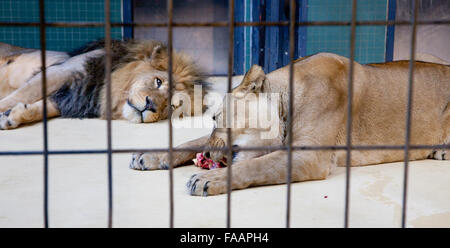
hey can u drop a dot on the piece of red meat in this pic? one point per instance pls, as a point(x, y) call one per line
point(207, 163)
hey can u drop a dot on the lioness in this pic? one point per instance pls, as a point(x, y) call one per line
point(319, 119)
point(75, 82)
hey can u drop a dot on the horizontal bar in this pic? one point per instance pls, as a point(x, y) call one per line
point(202, 148)
point(225, 24)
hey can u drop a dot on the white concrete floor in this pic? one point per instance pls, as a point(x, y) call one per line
point(78, 187)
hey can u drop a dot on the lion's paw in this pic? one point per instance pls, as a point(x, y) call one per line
point(207, 183)
point(6, 122)
point(148, 161)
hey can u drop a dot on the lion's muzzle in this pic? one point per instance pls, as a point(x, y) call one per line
point(141, 114)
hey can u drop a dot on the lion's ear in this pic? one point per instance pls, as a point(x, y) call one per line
point(157, 53)
point(149, 51)
point(252, 82)
point(159, 57)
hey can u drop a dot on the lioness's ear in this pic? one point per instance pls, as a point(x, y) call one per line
point(252, 82)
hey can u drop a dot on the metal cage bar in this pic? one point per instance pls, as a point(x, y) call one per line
point(107, 24)
point(414, 11)
point(290, 110)
point(108, 55)
point(349, 114)
point(44, 108)
point(248, 148)
point(225, 24)
point(228, 103)
point(169, 71)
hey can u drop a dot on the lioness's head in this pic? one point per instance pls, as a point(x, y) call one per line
point(255, 119)
point(140, 86)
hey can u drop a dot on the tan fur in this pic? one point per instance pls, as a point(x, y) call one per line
point(152, 61)
point(131, 82)
point(319, 119)
point(19, 66)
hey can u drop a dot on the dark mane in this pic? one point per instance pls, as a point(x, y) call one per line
point(79, 96)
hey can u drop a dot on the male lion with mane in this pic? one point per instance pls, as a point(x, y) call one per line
point(75, 82)
point(319, 119)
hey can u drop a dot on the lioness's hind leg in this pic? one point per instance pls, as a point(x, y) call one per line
point(444, 154)
point(57, 75)
point(26, 113)
point(439, 155)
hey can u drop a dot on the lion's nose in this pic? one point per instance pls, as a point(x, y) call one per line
point(149, 105)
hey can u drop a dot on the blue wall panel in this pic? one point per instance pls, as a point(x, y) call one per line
point(370, 43)
point(270, 45)
point(58, 38)
point(239, 39)
point(258, 33)
point(390, 30)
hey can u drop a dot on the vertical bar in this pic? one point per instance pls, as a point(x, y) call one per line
point(291, 108)
point(170, 62)
point(349, 113)
point(229, 140)
point(390, 30)
point(414, 8)
point(108, 106)
point(44, 107)
point(127, 13)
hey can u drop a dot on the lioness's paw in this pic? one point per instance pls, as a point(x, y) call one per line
point(440, 155)
point(149, 161)
point(6, 122)
point(207, 183)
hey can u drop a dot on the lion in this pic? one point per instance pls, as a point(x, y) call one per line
point(319, 119)
point(76, 82)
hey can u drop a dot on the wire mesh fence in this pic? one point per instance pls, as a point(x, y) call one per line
point(289, 147)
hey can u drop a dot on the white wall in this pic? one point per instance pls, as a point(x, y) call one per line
point(207, 45)
point(431, 39)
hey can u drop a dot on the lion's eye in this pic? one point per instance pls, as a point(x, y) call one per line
point(158, 82)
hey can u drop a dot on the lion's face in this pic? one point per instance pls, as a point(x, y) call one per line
point(140, 87)
point(147, 99)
